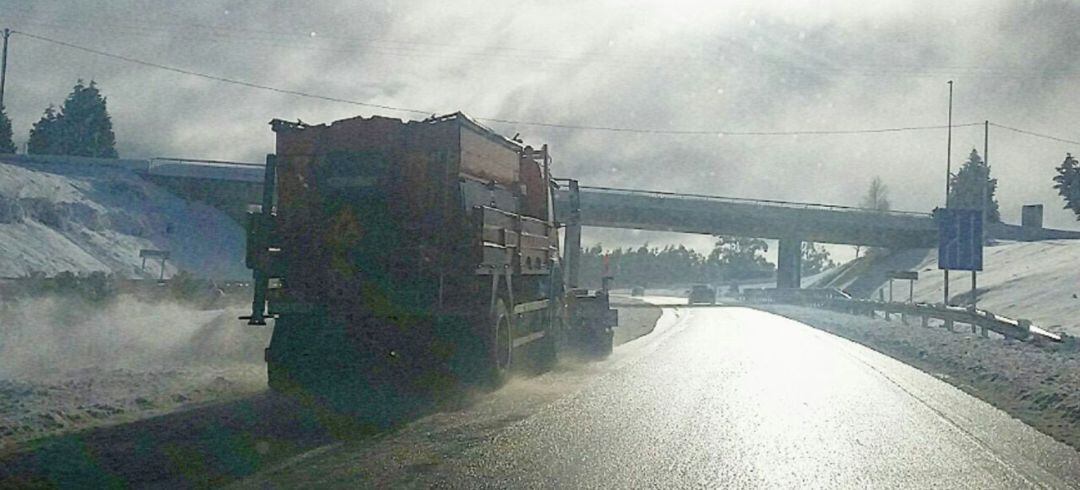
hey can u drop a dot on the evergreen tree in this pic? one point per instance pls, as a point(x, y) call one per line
point(82, 127)
point(6, 143)
point(1067, 183)
point(47, 136)
point(966, 189)
point(87, 116)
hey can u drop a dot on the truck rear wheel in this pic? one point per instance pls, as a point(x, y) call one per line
point(502, 343)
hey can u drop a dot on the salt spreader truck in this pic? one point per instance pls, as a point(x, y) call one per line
point(399, 257)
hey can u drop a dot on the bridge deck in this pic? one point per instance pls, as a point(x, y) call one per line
point(696, 213)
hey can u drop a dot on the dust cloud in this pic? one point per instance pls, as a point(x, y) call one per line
point(67, 363)
point(46, 338)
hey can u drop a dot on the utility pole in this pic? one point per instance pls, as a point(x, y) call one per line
point(948, 152)
point(3, 67)
point(982, 184)
point(948, 179)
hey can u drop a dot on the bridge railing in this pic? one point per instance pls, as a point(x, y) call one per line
point(832, 299)
point(739, 200)
point(158, 161)
point(206, 169)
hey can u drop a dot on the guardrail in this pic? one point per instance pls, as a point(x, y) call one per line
point(837, 300)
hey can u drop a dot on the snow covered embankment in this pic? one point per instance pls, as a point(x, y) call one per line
point(81, 218)
point(1038, 281)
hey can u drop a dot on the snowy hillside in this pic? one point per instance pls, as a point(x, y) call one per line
point(1039, 281)
point(58, 217)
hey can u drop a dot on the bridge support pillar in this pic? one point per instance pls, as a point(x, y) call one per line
point(789, 264)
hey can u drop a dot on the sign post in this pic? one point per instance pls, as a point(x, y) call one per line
point(161, 255)
point(960, 239)
point(910, 276)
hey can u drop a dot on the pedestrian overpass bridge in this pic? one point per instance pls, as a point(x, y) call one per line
point(231, 187)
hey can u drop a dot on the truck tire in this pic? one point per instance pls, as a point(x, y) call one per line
point(501, 352)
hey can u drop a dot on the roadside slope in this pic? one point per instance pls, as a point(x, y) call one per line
point(80, 218)
point(1034, 280)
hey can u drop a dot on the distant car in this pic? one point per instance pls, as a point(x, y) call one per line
point(637, 291)
point(702, 294)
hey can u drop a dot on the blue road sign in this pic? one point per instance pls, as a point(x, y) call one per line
point(959, 239)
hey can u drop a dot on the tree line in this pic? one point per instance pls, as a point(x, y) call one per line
point(732, 260)
point(972, 187)
point(81, 126)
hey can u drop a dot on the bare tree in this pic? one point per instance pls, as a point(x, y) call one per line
point(876, 198)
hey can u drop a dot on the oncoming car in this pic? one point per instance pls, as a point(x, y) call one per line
point(702, 294)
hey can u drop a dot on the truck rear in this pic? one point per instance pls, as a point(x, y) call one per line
point(401, 258)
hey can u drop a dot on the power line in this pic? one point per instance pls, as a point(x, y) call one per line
point(276, 33)
point(614, 129)
point(217, 78)
point(1038, 135)
point(721, 132)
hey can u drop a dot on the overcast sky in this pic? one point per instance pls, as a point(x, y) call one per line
point(670, 65)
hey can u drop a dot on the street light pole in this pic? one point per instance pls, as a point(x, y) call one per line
point(948, 152)
point(948, 178)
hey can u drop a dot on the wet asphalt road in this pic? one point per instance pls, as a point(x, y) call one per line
point(715, 397)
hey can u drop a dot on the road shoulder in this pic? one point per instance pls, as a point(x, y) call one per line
point(1037, 386)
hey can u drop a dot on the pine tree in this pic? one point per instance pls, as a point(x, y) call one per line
point(966, 188)
point(6, 143)
point(87, 117)
point(81, 127)
point(47, 136)
point(1067, 183)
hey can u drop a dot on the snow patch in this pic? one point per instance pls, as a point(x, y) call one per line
point(82, 218)
point(1038, 281)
